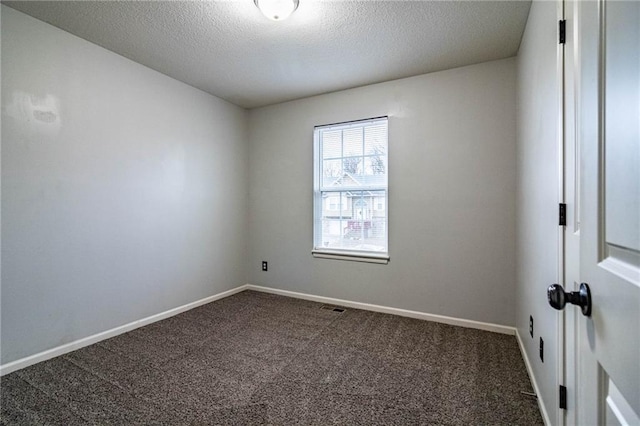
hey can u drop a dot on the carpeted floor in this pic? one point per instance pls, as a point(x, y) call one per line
point(257, 358)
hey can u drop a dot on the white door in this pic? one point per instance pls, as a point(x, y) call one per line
point(608, 342)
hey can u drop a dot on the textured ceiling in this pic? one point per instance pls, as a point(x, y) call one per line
point(229, 49)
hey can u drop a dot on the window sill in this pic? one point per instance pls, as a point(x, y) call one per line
point(351, 256)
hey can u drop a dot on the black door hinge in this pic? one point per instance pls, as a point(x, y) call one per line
point(563, 397)
point(562, 215)
point(562, 31)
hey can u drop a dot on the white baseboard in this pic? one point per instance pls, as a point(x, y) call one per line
point(536, 388)
point(496, 328)
point(86, 341)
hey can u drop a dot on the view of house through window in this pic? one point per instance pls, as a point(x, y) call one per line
point(350, 187)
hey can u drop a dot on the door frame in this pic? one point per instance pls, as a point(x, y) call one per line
point(570, 195)
point(562, 182)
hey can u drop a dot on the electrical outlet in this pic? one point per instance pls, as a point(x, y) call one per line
point(264, 266)
point(531, 325)
point(541, 350)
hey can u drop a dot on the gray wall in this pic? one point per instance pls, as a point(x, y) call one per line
point(538, 181)
point(451, 203)
point(124, 192)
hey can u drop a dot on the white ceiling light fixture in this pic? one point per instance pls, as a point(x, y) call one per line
point(277, 10)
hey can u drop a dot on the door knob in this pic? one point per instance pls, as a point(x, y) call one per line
point(558, 298)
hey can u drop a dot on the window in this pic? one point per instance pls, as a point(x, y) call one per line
point(350, 191)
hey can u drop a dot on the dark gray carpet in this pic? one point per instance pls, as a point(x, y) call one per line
point(256, 358)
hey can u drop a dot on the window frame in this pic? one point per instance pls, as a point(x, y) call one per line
point(318, 191)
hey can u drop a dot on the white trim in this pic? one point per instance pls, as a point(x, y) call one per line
point(319, 187)
point(536, 388)
point(86, 341)
point(561, 272)
point(496, 328)
point(353, 256)
point(352, 123)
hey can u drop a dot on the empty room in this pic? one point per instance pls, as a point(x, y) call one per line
point(320, 212)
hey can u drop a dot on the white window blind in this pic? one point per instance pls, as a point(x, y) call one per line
point(350, 190)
